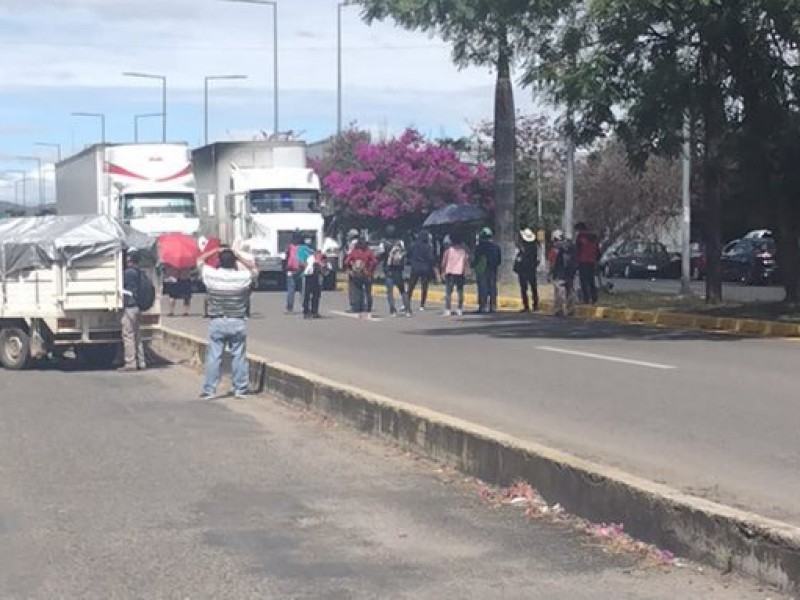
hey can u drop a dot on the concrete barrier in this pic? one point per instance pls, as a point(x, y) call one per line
point(692, 527)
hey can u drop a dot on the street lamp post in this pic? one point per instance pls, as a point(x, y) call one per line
point(41, 178)
point(209, 78)
point(136, 123)
point(163, 80)
point(23, 179)
point(339, 8)
point(274, 6)
point(100, 116)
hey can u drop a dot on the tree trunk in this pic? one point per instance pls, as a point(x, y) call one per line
point(505, 155)
point(713, 109)
point(789, 256)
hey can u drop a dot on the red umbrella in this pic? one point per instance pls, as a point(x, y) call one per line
point(178, 250)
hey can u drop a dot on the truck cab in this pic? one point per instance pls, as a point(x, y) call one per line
point(151, 187)
point(270, 205)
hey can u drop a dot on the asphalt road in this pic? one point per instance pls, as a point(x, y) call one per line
point(125, 486)
point(733, 292)
point(713, 415)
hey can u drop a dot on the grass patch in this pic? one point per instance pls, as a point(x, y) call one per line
point(770, 311)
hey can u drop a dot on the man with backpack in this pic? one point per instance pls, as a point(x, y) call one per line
point(486, 264)
point(563, 266)
point(138, 296)
point(393, 259)
point(587, 249)
point(297, 253)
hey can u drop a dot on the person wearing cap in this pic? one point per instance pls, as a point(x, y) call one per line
point(131, 337)
point(563, 266)
point(486, 264)
point(525, 265)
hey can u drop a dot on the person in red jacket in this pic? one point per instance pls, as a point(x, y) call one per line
point(587, 247)
point(360, 265)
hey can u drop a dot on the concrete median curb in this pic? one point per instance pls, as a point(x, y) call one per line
point(660, 318)
point(722, 536)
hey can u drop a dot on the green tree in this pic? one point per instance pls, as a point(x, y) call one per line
point(483, 33)
point(638, 67)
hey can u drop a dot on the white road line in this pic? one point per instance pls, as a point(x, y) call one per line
point(341, 313)
point(616, 359)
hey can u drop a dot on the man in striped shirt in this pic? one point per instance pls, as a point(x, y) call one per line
point(228, 296)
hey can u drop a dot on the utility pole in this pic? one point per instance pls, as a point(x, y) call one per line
point(686, 220)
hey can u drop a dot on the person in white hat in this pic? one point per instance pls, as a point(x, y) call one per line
point(525, 264)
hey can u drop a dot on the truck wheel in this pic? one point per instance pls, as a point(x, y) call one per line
point(15, 345)
point(100, 355)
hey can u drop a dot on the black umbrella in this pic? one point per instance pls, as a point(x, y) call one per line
point(455, 214)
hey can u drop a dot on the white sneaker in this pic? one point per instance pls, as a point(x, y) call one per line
point(447, 313)
point(421, 309)
point(460, 312)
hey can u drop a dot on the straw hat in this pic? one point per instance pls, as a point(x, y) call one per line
point(527, 235)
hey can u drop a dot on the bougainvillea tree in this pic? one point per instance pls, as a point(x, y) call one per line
point(403, 179)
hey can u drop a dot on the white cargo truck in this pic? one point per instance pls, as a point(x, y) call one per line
point(148, 186)
point(256, 196)
point(61, 288)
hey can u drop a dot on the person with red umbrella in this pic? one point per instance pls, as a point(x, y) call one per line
point(178, 253)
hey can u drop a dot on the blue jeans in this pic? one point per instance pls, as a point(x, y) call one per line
point(362, 299)
point(487, 290)
point(233, 333)
point(394, 279)
point(294, 285)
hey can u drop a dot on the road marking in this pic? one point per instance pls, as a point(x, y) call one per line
point(341, 313)
point(616, 359)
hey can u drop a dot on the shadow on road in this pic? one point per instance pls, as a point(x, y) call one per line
point(510, 326)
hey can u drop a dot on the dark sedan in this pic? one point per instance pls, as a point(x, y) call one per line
point(750, 261)
point(641, 260)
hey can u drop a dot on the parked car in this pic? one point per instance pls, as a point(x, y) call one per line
point(641, 259)
point(750, 261)
point(758, 234)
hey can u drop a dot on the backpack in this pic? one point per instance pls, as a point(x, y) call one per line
point(292, 262)
point(147, 292)
point(568, 259)
point(359, 269)
point(397, 255)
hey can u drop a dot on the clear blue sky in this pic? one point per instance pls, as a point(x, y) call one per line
point(62, 56)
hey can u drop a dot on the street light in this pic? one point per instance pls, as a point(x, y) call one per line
point(100, 116)
point(23, 179)
point(205, 104)
point(51, 145)
point(163, 80)
point(274, 6)
point(41, 178)
point(136, 123)
point(339, 7)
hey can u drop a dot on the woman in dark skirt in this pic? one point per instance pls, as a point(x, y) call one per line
point(178, 286)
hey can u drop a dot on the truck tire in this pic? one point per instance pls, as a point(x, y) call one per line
point(15, 346)
point(97, 355)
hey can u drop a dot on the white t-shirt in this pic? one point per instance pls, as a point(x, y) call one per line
point(226, 280)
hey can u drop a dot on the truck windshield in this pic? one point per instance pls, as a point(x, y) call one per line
point(284, 201)
point(137, 206)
